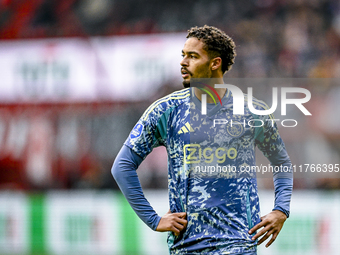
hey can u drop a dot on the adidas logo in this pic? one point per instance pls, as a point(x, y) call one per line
point(186, 128)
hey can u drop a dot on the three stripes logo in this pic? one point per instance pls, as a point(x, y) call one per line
point(186, 129)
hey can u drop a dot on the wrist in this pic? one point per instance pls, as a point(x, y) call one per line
point(281, 213)
point(280, 209)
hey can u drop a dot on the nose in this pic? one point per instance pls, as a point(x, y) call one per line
point(184, 62)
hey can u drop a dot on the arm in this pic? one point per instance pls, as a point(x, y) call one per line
point(283, 181)
point(272, 223)
point(124, 172)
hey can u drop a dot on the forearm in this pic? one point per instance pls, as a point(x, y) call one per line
point(283, 181)
point(124, 172)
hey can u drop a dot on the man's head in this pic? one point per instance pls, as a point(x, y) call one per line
point(207, 53)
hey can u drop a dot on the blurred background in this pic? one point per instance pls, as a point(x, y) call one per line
point(76, 75)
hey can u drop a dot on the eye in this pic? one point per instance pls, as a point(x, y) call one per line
point(193, 56)
point(182, 55)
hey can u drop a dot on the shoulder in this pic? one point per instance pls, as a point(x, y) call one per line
point(166, 104)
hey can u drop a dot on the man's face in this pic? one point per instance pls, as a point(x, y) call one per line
point(195, 62)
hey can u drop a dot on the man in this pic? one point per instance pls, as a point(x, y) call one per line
point(210, 213)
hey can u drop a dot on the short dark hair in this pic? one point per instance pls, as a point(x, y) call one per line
point(216, 43)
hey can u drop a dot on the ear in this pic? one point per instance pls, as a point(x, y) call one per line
point(216, 63)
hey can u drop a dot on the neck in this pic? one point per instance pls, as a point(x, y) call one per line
point(220, 91)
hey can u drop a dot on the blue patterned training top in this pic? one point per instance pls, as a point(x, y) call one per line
point(209, 162)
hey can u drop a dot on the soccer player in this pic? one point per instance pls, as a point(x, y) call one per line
point(210, 212)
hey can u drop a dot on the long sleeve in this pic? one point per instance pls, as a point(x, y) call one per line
point(283, 181)
point(124, 172)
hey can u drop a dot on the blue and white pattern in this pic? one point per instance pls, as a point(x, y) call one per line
point(221, 206)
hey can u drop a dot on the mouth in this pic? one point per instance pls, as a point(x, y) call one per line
point(185, 73)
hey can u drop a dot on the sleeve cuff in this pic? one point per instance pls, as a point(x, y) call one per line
point(278, 208)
